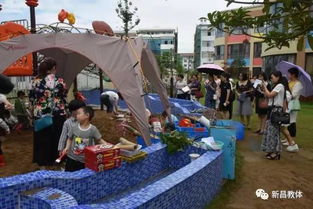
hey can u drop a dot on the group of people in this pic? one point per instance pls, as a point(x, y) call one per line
point(258, 92)
point(219, 92)
point(70, 130)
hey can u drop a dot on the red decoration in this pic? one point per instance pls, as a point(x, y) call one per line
point(185, 122)
point(102, 28)
point(31, 3)
point(62, 15)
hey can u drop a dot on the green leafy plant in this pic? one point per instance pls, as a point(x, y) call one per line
point(175, 141)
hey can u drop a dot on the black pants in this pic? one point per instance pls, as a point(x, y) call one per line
point(105, 100)
point(292, 128)
point(181, 96)
point(0, 148)
point(45, 146)
point(73, 165)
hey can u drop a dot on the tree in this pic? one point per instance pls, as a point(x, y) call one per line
point(282, 21)
point(126, 13)
point(237, 66)
point(168, 62)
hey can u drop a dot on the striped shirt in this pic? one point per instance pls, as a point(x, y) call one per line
point(67, 126)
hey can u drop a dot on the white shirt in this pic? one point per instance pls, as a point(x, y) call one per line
point(112, 96)
point(179, 85)
point(296, 90)
point(279, 98)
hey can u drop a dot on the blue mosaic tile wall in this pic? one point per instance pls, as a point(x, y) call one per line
point(49, 198)
point(192, 186)
point(86, 186)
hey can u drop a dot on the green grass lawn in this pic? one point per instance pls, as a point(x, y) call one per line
point(303, 139)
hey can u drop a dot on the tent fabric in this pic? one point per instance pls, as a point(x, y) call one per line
point(110, 54)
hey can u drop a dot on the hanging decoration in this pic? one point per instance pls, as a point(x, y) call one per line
point(63, 15)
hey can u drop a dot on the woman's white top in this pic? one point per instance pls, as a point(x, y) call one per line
point(296, 90)
point(279, 98)
point(179, 85)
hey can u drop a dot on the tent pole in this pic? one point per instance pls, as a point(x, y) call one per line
point(101, 84)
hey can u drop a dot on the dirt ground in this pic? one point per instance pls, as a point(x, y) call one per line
point(18, 148)
point(294, 171)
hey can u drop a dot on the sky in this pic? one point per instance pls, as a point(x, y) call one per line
point(182, 15)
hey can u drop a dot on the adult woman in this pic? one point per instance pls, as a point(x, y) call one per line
point(295, 87)
point(261, 103)
point(210, 96)
point(179, 85)
point(225, 95)
point(244, 93)
point(48, 96)
point(217, 80)
point(271, 143)
point(195, 88)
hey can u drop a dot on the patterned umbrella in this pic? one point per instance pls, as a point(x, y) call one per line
point(210, 68)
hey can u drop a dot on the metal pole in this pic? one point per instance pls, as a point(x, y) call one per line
point(33, 30)
point(101, 84)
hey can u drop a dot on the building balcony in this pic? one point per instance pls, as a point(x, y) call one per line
point(208, 38)
point(208, 49)
point(167, 46)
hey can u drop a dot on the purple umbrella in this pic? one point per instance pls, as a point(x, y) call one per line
point(210, 68)
point(304, 77)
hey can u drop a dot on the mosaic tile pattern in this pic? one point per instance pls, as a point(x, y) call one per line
point(201, 177)
point(47, 198)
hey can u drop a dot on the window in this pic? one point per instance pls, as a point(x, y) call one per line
point(257, 50)
point(209, 33)
point(271, 61)
point(21, 79)
point(220, 33)
point(238, 50)
point(219, 52)
point(165, 42)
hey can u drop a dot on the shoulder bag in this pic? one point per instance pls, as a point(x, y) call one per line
point(278, 115)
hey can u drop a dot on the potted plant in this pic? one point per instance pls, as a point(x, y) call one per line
point(175, 141)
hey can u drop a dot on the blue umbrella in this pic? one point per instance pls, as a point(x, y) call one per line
point(304, 77)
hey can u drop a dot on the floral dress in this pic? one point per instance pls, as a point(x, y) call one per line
point(48, 96)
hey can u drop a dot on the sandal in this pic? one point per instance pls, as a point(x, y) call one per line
point(273, 156)
point(258, 131)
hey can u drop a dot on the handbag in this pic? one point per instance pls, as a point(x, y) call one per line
point(278, 115)
point(294, 105)
point(263, 103)
point(43, 122)
point(198, 94)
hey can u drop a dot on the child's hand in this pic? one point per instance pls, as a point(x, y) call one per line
point(64, 152)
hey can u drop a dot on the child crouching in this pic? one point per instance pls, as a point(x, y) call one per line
point(84, 134)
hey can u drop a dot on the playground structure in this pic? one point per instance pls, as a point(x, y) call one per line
point(125, 61)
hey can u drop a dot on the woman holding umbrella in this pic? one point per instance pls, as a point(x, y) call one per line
point(295, 87)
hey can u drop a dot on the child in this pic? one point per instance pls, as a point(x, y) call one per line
point(20, 110)
point(84, 134)
point(73, 106)
point(4, 128)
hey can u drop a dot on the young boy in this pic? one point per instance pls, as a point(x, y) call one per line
point(85, 134)
point(73, 106)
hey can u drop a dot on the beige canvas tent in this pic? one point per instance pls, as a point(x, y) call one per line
point(125, 62)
